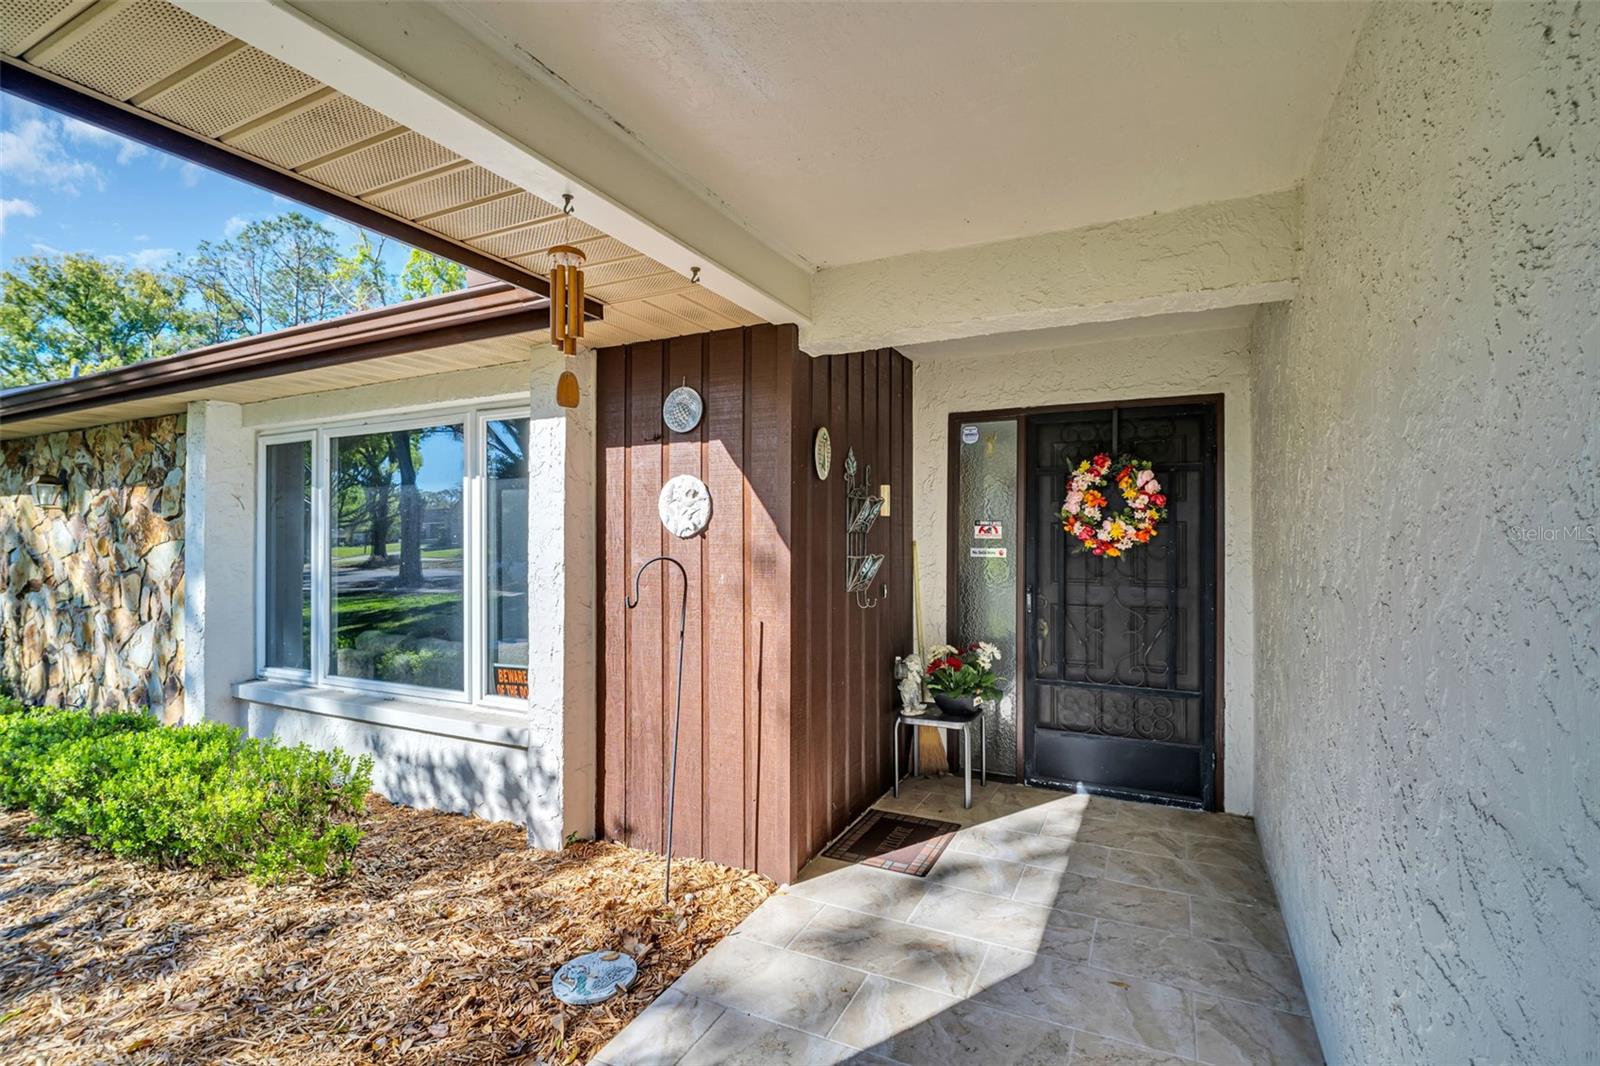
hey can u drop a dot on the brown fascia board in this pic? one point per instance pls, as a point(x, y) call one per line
point(477, 313)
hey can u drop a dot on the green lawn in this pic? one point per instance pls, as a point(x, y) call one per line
point(416, 614)
point(359, 551)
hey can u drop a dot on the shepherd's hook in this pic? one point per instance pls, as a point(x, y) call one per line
point(677, 712)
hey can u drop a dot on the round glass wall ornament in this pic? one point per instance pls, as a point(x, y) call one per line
point(682, 409)
point(684, 505)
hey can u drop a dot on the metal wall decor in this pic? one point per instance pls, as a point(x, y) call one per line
point(861, 510)
point(682, 409)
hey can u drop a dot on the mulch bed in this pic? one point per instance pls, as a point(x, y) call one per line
point(438, 948)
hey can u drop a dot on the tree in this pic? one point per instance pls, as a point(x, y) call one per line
point(425, 274)
point(362, 275)
point(74, 314)
point(273, 274)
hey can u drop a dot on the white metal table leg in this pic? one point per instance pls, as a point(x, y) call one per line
point(966, 762)
point(897, 757)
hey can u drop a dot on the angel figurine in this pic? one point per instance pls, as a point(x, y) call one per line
point(908, 671)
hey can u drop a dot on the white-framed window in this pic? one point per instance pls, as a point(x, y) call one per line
point(392, 555)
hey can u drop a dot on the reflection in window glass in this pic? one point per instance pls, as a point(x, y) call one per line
point(506, 479)
point(286, 559)
point(396, 540)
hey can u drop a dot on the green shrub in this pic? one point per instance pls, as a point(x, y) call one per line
point(30, 735)
point(203, 795)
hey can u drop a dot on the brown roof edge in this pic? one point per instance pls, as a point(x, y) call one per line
point(471, 314)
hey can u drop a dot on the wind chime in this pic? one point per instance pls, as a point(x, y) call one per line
point(566, 306)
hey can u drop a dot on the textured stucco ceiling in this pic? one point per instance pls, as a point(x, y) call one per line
point(847, 132)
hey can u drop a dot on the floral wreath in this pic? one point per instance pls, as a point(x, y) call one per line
point(1087, 513)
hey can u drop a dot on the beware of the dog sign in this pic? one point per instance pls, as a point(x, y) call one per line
point(986, 531)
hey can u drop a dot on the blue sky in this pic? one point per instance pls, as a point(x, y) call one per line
point(66, 186)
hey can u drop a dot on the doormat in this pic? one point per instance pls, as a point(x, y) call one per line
point(903, 843)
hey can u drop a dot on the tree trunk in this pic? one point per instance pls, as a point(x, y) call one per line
point(410, 515)
point(378, 516)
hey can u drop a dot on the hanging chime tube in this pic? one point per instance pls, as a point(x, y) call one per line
point(558, 307)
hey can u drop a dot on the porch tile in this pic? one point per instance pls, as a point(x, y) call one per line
point(910, 953)
point(1106, 1004)
point(1222, 851)
point(1091, 1050)
point(905, 803)
point(663, 1032)
point(1144, 839)
point(858, 887)
point(1239, 924)
point(1218, 824)
point(1229, 1033)
point(957, 869)
point(1007, 922)
point(1200, 965)
point(913, 1025)
point(1195, 878)
point(777, 920)
point(1052, 853)
point(795, 990)
point(739, 1039)
point(1100, 898)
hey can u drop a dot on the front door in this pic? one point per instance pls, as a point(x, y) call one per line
point(1120, 660)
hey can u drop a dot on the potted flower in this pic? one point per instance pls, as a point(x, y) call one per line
point(961, 679)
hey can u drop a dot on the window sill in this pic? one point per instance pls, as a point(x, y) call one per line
point(444, 719)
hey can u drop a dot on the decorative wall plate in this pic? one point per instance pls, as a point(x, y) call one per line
point(684, 505)
point(682, 409)
point(822, 453)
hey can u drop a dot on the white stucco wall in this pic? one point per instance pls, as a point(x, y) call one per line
point(563, 708)
point(1201, 258)
point(988, 374)
point(1428, 693)
point(218, 561)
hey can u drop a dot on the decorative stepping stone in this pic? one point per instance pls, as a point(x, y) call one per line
point(594, 978)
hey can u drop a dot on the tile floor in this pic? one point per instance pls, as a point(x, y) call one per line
point(1055, 929)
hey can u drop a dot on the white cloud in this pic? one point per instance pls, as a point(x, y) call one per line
point(144, 258)
point(80, 132)
point(46, 249)
point(20, 208)
point(190, 175)
point(235, 225)
point(32, 152)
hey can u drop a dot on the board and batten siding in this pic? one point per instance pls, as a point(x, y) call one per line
point(786, 688)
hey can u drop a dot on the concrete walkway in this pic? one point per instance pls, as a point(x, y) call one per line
point(1056, 929)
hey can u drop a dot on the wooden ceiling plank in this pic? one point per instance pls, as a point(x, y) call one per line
point(76, 27)
point(184, 73)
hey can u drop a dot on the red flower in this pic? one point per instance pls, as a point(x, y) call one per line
point(1159, 499)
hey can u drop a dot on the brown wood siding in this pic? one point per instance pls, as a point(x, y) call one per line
point(787, 690)
point(843, 758)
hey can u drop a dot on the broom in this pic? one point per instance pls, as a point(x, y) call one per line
point(931, 756)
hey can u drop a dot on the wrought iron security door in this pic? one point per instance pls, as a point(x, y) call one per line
point(1121, 653)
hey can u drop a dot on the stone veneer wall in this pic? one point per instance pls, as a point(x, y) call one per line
point(1427, 433)
point(91, 574)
